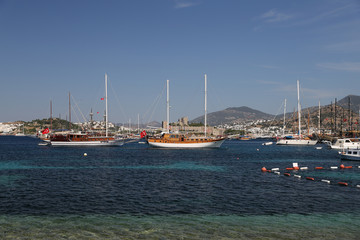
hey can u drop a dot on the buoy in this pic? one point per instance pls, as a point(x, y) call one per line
point(348, 167)
point(319, 168)
point(297, 176)
point(342, 166)
point(85, 154)
point(295, 166)
point(334, 167)
point(358, 186)
point(310, 178)
point(278, 173)
point(287, 174)
point(326, 181)
point(289, 168)
point(304, 168)
point(275, 169)
point(342, 183)
point(358, 166)
point(263, 169)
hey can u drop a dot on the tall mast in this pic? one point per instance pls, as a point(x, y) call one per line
point(205, 105)
point(319, 118)
point(284, 118)
point(50, 116)
point(69, 113)
point(106, 107)
point(299, 108)
point(167, 107)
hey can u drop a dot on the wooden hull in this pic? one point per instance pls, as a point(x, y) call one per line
point(216, 143)
point(298, 142)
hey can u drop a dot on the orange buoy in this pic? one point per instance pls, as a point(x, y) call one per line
point(290, 168)
point(319, 168)
point(287, 174)
point(342, 166)
point(263, 169)
point(348, 167)
point(342, 183)
point(296, 168)
point(310, 178)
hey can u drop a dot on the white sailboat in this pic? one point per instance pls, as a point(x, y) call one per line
point(299, 140)
point(87, 139)
point(171, 140)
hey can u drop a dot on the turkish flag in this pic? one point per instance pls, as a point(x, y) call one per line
point(102, 98)
point(143, 134)
point(45, 131)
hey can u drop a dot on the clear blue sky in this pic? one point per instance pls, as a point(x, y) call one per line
point(252, 51)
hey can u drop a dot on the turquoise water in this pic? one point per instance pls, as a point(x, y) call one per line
point(136, 192)
point(290, 226)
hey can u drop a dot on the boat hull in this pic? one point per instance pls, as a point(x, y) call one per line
point(85, 143)
point(210, 144)
point(353, 155)
point(298, 142)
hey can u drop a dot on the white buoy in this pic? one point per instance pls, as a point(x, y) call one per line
point(326, 181)
point(334, 167)
point(304, 168)
point(358, 186)
point(297, 176)
point(85, 154)
point(278, 173)
point(275, 169)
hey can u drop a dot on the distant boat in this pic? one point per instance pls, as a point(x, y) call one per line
point(172, 140)
point(267, 143)
point(87, 139)
point(299, 140)
point(345, 143)
point(350, 154)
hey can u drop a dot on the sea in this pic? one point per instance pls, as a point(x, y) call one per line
point(138, 192)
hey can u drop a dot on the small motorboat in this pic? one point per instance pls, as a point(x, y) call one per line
point(350, 154)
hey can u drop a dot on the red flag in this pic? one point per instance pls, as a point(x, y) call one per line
point(97, 112)
point(45, 131)
point(326, 119)
point(143, 134)
point(102, 98)
point(345, 119)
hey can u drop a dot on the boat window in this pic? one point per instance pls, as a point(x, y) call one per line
point(355, 152)
point(347, 141)
point(349, 152)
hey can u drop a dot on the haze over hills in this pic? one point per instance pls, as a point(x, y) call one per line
point(242, 114)
point(234, 115)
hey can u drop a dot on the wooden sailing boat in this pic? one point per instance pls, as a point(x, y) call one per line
point(87, 139)
point(172, 140)
point(300, 140)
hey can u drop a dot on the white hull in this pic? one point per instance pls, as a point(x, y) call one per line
point(85, 143)
point(301, 142)
point(345, 143)
point(214, 144)
point(351, 155)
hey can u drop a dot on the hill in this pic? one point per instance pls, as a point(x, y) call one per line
point(233, 115)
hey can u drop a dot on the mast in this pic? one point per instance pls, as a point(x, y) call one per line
point(167, 107)
point(50, 116)
point(319, 119)
point(284, 118)
point(69, 113)
point(106, 107)
point(335, 131)
point(299, 108)
point(205, 104)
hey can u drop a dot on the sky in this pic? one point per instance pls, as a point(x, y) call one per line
point(253, 52)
